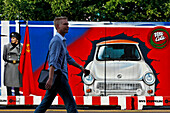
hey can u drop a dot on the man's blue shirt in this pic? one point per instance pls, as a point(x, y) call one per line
point(58, 52)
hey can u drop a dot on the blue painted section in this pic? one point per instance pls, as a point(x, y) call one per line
point(12, 22)
point(72, 36)
point(39, 42)
point(40, 23)
point(12, 29)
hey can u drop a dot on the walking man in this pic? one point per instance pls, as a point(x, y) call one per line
point(58, 59)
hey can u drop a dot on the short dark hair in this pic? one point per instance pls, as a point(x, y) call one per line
point(57, 20)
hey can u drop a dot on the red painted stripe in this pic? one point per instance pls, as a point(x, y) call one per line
point(60, 101)
point(11, 100)
point(79, 100)
point(131, 102)
point(128, 103)
point(166, 101)
point(28, 100)
point(113, 100)
point(150, 101)
point(96, 100)
point(135, 102)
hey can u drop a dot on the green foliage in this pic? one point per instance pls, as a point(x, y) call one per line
point(26, 10)
point(86, 10)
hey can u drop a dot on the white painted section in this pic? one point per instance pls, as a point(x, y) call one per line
point(158, 100)
point(3, 100)
point(105, 100)
point(36, 100)
point(4, 40)
point(87, 100)
point(122, 102)
point(55, 101)
point(17, 100)
point(141, 102)
point(17, 26)
point(22, 100)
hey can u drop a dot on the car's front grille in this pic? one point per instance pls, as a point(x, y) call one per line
point(119, 86)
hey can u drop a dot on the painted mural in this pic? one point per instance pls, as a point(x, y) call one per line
point(124, 58)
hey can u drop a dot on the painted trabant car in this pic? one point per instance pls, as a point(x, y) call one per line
point(118, 68)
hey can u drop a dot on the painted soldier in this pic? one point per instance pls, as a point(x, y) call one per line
point(11, 56)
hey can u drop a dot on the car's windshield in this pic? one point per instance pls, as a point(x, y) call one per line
point(118, 52)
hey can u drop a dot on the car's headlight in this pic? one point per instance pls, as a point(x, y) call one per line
point(149, 78)
point(88, 79)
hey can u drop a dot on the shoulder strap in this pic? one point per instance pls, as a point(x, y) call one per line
point(46, 60)
point(62, 65)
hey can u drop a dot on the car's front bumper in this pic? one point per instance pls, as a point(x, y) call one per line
point(138, 88)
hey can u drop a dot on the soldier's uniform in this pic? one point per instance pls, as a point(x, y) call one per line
point(11, 56)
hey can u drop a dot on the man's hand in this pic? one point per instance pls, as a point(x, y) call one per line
point(48, 84)
point(50, 79)
point(85, 71)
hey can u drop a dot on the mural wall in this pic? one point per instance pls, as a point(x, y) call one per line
point(124, 58)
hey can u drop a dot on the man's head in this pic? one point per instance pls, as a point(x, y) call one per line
point(61, 25)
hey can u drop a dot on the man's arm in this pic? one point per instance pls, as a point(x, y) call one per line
point(75, 64)
point(50, 79)
point(54, 51)
point(71, 61)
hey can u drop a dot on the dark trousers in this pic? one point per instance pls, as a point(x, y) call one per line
point(63, 88)
point(9, 92)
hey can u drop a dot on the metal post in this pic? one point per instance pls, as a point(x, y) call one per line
point(105, 67)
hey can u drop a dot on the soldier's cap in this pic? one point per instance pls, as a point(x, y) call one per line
point(16, 35)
